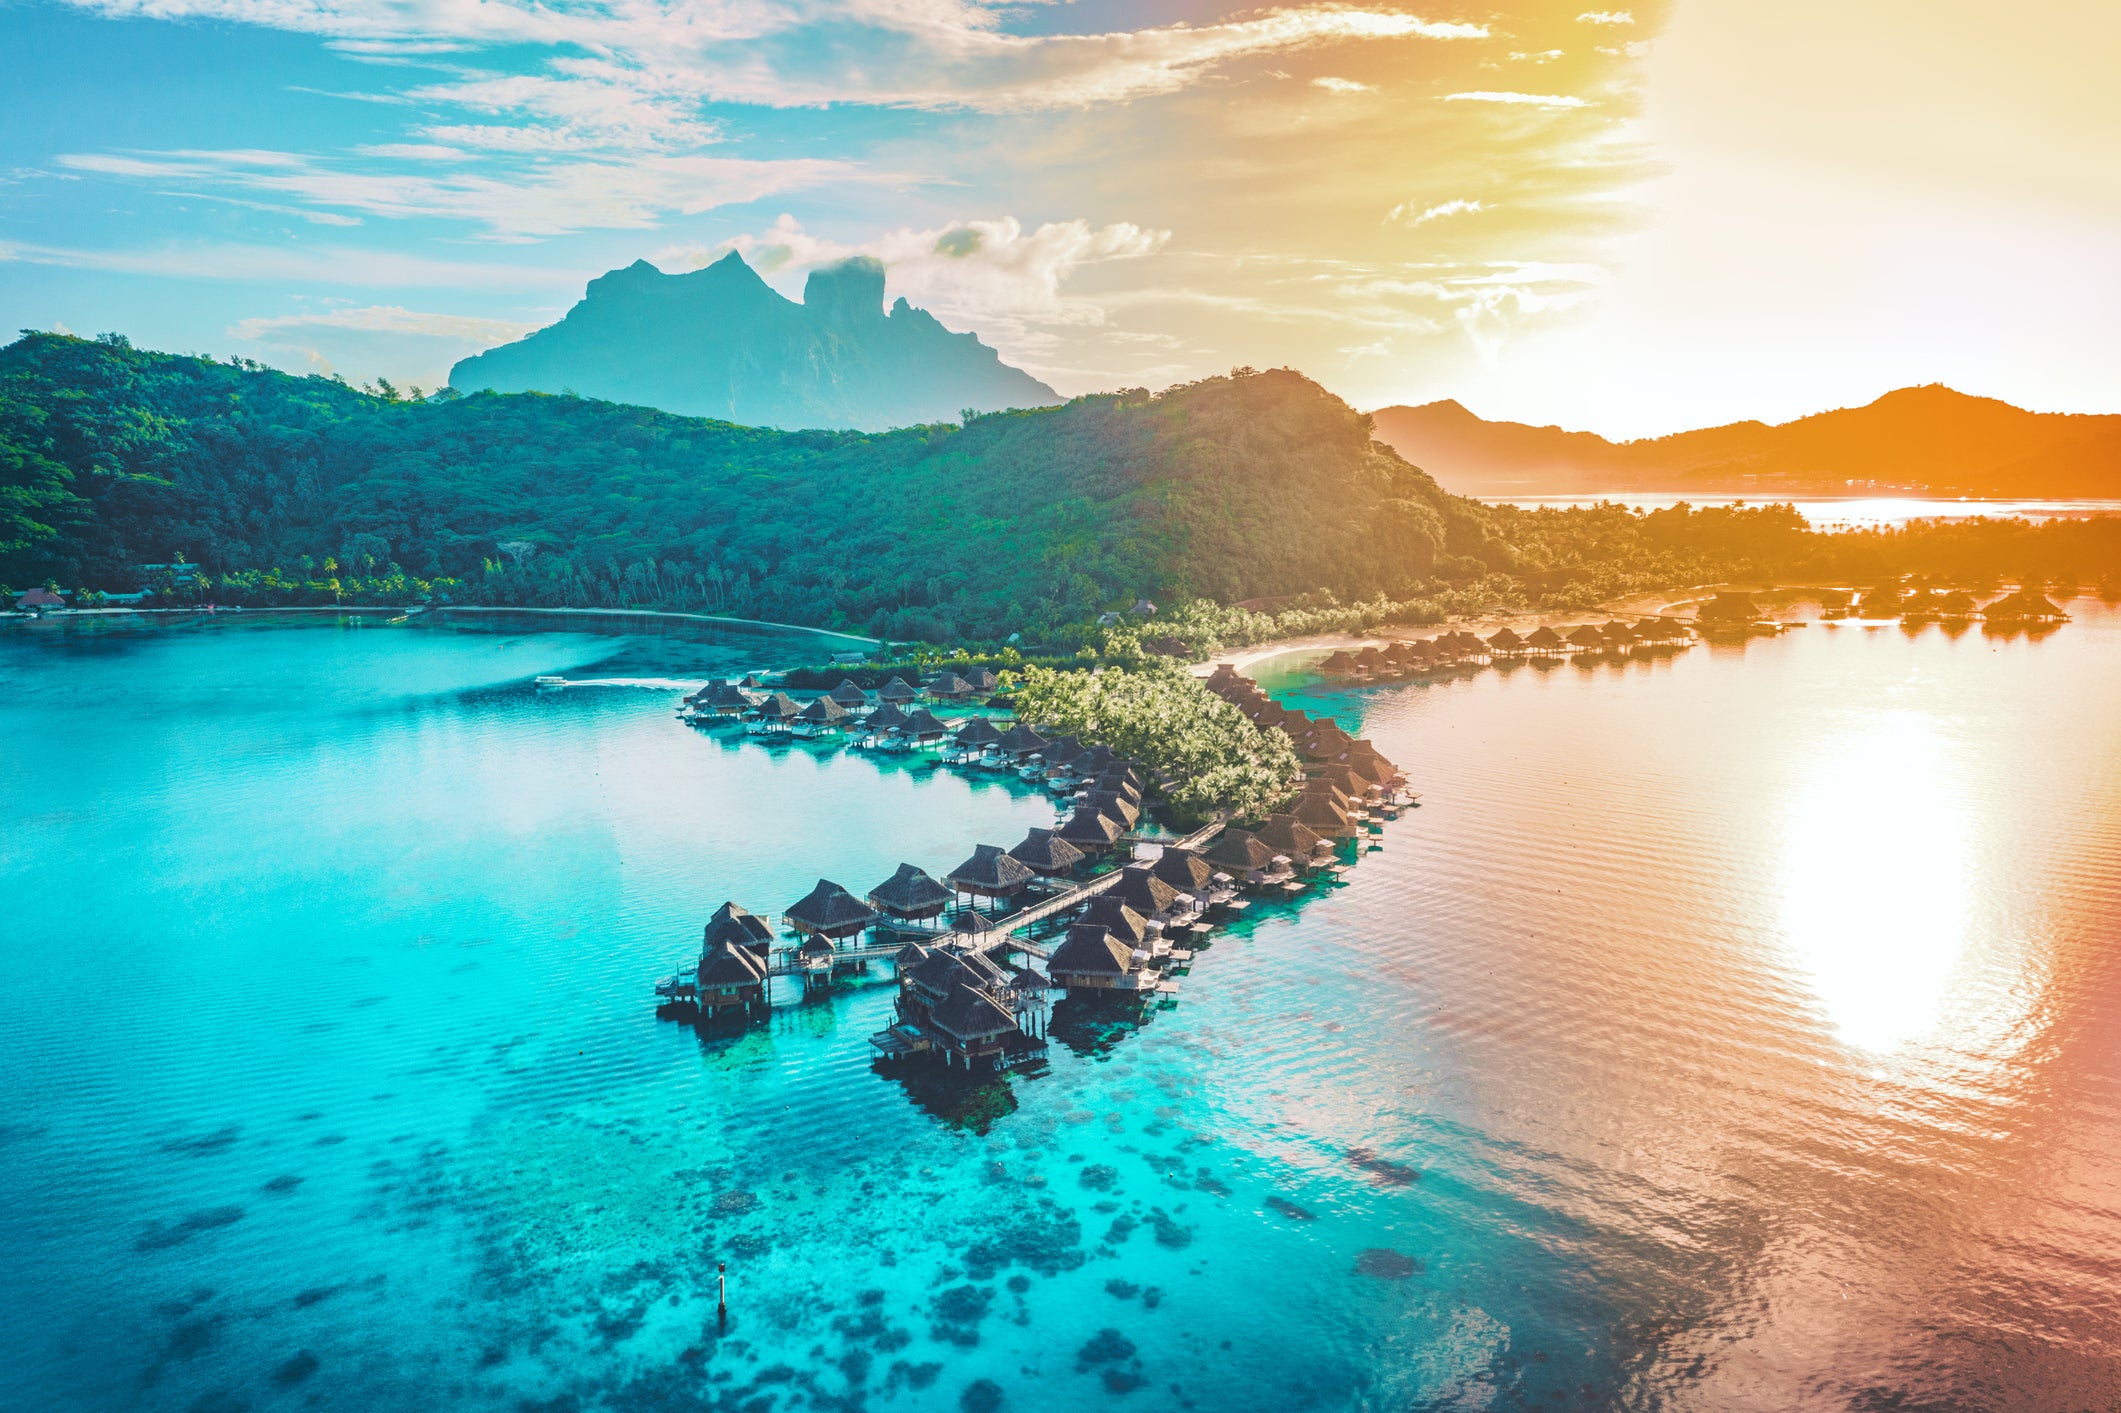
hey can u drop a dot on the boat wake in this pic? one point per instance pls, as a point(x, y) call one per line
point(659, 684)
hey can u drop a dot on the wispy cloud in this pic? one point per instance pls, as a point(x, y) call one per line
point(1341, 85)
point(554, 199)
point(1408, 213)
point(386, 319)
point(312, 266)
point(1606, 17)
point(1530, 100)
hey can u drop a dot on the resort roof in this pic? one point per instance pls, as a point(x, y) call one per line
point(1140, 889)
point(815, 946)
point(1241, 850)
point(1090, 950)
point(1121, 808)
point(1043, 851)
point(896, 690)
point(887, 718)
point(1587, 636)
point(1542, 637)
point(1118, 918)
point(1183, 869)
point(1343, 778)
point(939, 971)
point(977, 732)
point(850, 696)
point(1092, 760)
point(729, 965)
point(40, 598)
point(738, 926)
point(1725, 608)
point(969, 1013)
point(778, 707)
point(981, 679)
point(830, 910)
point(948, 684)
point(910, 893)
point(991, 870)
point(707, 689)
point(909, 956)
point(1505, 640)
point(926, 723)
point(1325, 815)
point(1060, 750)
point(1021, 740)
point(822, 709)
point(1286, 834)
point(2025, 603)
point(1087, 829)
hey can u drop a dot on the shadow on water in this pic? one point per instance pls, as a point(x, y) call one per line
point(968, 1102)
point(1091, 1025)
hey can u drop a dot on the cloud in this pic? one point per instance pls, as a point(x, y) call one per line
point(389, 319)
point(1606, 17)
point(990, 275)
point(1532, 100)
point(1406, 214)
point(554, 199)
point(1341, 85)
point(305, 265)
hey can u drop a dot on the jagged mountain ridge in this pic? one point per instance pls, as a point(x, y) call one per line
point(720, 342)
point(1922, 440)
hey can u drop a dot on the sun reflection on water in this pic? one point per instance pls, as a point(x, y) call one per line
point(1877, 879)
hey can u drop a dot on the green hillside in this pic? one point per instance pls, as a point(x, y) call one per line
point(1252, 485)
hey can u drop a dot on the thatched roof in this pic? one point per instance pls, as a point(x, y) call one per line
point(1620, 634)
point(737, 926)
point(707, 689)
point(896, 690)
point(1956, 604)
point(850, 696)
point(1060, 750)
point(977, 733)
point(909, 956)
point(822, 709)
point(815, 946)
point(1092, 760)
point(981, 679)
point(1140, 889)
point(830, 911)
point(1121, 808)
point(1090, 831)
point(886, 718)
point(1090, 950)
point(941, 972)
point(991, 870)
point(1542, 637)
point(2026, 603)
point(728, 965)
point(1183, 869)
point(910, 893)
point(1726, 608)
point(1286, 834)
point(1121, 773)
point(1044, 851)
point(949, 684)
point(969, 1013)
point(778, 707)
point(1344, 779)
point(925, 723)
point(1325, 815)
point(1338, 662)
point(1505, 640)
point(1239, 849)
point(1117, 917)
point(1021, 740)
point(1586, 636)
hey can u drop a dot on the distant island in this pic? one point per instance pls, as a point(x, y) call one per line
point(720, 342)
point(1918, 441)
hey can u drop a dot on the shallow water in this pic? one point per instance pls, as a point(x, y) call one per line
point(1736, 1030)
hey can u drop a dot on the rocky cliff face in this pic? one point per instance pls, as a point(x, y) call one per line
point(719, 342)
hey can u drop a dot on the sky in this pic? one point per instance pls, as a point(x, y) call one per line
point(1631, 220)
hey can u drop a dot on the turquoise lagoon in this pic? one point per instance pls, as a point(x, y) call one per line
point(1737, 1030)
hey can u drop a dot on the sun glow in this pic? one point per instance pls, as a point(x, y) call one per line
point(1876, 889)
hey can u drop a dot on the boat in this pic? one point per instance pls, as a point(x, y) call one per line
point(549, 681)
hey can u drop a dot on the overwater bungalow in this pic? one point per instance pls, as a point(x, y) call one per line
point(972, 1028)
point(1586, 638)
point(1091, 832)
point(737, 927)
point(910, 895)
point(1289, 836)
point(1121, 920)
point(2027, 605)
point(1339, 664)
point(849, 696)
point(1046, 854)
point(1248, 860)
point(896, 693)
point(991, 872)
point(729, 978)
point(1544, 640)
point(1326, 816)
point(885, 729)
point(1671, 630)
point(1324, 741)
point(981, 679)
point(948, 686)
point(1186, 870)
point(975, 738)
point(1957, 605)
point(924, 728)
point(1127, 812)
point(829, 911)
point(1465, 647)
point(1092, 761)
point(773, 715)
point(723, 699)
point(1140, 889)
point(1090, 958)
point(1619, 637)
point(1355, 788)
point(1881, 602)
point(1019, 743)
point(1504, 642)
point(822, 717)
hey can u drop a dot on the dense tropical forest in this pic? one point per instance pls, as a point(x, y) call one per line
point(247, 485)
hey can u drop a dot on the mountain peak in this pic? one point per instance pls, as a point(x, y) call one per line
point(721, 342)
